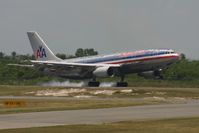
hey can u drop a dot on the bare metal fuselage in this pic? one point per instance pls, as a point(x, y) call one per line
point(129, 64)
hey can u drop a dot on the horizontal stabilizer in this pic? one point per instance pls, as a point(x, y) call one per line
point(20, 65)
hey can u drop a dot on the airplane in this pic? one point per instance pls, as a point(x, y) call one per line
point(142, 62)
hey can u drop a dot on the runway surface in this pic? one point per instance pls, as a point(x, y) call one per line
point(98, 116)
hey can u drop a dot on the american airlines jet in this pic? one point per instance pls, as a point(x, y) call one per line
point(142, 62)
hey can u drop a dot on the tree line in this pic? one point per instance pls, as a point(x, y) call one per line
point(182, 71)
point(80, 52)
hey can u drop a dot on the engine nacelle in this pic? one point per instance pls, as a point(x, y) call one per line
point(151, 74)
point(103, 72)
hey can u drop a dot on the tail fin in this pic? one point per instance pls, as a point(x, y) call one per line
point(40, 49)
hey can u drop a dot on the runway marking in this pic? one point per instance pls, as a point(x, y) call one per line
point(98, 116)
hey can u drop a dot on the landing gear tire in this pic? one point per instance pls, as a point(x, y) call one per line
point(122, 84)
point(93, 84)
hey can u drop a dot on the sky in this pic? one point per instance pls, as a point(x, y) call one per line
point(108, 26)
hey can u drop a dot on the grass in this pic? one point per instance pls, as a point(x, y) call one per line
point(118, 99)
point(182, 125)
point(137, 81)
point(6, 90)
point(68, 104)
point(139, 91)
point(166, 92)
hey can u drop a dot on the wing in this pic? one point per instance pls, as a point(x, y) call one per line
point(55, 63)
point(66, 69)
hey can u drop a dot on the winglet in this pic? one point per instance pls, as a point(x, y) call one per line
point(40, 49)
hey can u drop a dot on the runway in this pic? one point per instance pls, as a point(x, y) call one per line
point(99, 116)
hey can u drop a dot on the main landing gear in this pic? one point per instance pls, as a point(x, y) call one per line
point(122, 83)
point(95, 83)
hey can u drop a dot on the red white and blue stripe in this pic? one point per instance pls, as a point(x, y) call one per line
point(130, 57)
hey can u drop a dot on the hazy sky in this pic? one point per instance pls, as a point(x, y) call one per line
point(105, 25)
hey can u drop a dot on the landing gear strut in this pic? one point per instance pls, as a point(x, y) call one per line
point(158, 74)
point(122, 83)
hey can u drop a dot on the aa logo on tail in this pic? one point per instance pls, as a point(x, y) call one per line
point(41, 53)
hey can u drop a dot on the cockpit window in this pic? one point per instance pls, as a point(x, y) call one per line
point(169, 52)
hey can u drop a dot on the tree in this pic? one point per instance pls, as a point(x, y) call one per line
point(62, 56)
point(79, 52)
point(92, 52)
point(89, 52)
point(70, 56)
point(85, 52)
point(1, 54)
point(183, 56)
point(13, 54)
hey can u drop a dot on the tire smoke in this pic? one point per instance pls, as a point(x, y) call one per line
point(75, 84)
point(64, 84)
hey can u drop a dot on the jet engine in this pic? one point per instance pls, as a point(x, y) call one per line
point(103, 72)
